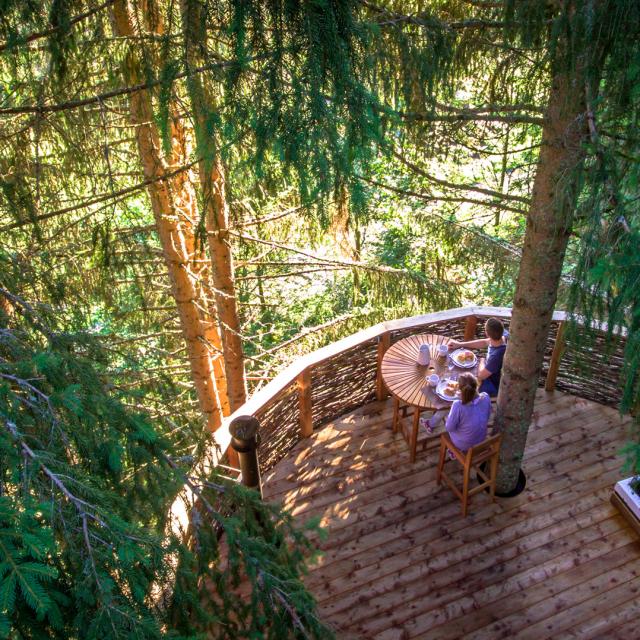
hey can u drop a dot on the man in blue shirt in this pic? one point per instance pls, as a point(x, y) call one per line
point(496, 343)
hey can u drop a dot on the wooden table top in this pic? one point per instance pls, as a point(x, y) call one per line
point(406, 379)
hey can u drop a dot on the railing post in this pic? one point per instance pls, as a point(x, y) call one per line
point(384, 341)
point(470, 328)
point(304, 399)
point(556, 355)
point(244, 442)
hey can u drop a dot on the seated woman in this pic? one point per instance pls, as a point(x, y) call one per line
point(469, 416)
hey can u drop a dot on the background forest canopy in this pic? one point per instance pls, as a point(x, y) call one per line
point(196, 192)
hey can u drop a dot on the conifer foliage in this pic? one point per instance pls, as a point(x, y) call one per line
point(87, 545)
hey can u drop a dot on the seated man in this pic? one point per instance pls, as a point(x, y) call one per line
point(496, 344)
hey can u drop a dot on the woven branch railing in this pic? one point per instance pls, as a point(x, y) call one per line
point(344, 375)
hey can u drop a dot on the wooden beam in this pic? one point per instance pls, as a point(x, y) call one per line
point(304, 398)
point(470, 327)
point(384, 341)
point(556, 355)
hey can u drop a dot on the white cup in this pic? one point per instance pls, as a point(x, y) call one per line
point(443, 350)
point(424, 355)
point(433, 379)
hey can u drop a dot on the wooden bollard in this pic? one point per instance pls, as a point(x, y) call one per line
point(244, 441)
point(556, 355)
point(384, 341)
point(470, 328)
point(304, 401)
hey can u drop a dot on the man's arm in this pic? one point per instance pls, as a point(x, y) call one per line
point(483, 374)
point(470, 344)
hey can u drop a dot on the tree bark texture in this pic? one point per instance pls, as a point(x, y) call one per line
point(216, 210)
point(174, 208)
point(549, 222)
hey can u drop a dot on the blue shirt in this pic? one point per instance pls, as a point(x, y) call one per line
point(495, 356)
point(493, 365)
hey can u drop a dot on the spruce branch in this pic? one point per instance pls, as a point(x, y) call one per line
point(457, 186)
point(53, 30)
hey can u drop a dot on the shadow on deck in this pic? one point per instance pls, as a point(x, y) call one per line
point(401, 562)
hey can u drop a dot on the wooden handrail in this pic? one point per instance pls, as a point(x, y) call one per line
point(298, 373)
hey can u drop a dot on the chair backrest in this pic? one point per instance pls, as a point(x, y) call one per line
point(485, 450)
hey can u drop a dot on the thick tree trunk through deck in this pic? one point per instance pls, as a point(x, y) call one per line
point(216, 211)
point(174, 207)
point(548, 227)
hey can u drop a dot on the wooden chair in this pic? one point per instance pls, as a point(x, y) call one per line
point(485, 452)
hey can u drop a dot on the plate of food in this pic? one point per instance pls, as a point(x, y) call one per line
point(448, 390)
point(464, 358)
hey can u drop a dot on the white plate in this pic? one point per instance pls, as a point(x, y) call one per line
point(464, 365)
point(439, 391)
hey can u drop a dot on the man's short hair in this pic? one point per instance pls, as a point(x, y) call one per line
point(494, 328)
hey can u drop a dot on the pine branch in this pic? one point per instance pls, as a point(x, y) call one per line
point(123, 91)
point(427, 197)
point(331, 261)
point(458, 187)
point(501, 243)
point(267, 219)
point(470, 117)
point(43, 34)
point(306, 331)
point(101, 198)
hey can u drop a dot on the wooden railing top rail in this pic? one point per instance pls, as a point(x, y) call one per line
point(286, 377)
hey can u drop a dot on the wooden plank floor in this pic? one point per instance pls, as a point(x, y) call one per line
point(400, 562)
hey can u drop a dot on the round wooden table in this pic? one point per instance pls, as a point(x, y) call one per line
point(406, 380)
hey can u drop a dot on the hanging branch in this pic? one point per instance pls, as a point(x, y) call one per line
point(458, 187)
point(344, 263)
point(123, 91)
point(43, 34)
point(503, 244)
point(431, 198)
point(101, 198)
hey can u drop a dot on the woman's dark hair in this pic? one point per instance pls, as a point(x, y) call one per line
point(494, 328)
point(468, 385)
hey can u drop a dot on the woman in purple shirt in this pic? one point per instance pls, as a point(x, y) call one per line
point(469, 416)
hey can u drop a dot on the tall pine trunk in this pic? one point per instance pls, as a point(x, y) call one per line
point(549, 223)
point(216, 209)
point(174, 207)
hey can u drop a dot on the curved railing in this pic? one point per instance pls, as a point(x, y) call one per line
point(332, 380)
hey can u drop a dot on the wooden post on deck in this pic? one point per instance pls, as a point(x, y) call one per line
point(244, 442)
point(384, 341)
point(470, 328)
point(304, 399)
point(554, 364)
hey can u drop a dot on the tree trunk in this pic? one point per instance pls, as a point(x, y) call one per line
point(173, 204)
point(548, 228)
point(217, 219)
point(216, 211)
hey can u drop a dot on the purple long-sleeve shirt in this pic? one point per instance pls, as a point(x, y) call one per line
point(467, 423)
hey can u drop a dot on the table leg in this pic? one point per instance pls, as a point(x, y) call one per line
point(413, 445)
point(396, 409)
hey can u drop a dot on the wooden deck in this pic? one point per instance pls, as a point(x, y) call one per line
point(400, 562)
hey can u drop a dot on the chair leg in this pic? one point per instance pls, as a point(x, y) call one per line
point(413, 444)
point(396, 407)
point(465, 491)
point(441, 459)
point(493, 475)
